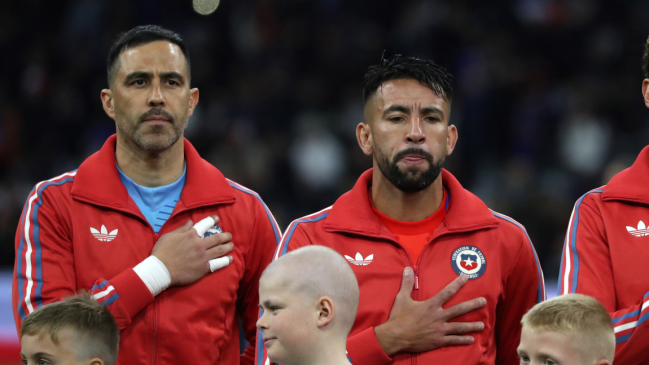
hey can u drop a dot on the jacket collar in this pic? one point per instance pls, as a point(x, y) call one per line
point(352, 212)
point(631, 184)
point(97, 180)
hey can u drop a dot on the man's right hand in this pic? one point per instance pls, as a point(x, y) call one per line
point(423, 326)
point(187, 256)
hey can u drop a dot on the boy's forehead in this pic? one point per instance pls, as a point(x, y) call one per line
point(43, 342)
point(556, 344)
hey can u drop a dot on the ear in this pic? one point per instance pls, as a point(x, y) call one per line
point(645, 91)
point(451, 139)
point(193, 100)
point(108, 102)
point(364, 137)
point(95, 361)
point(325, 307)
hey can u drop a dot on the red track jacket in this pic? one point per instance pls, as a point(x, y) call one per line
point(57, 255)
point(509, 278)
point(606, 248)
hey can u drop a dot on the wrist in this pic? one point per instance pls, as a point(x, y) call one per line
point(154, 274)
point(388, 339)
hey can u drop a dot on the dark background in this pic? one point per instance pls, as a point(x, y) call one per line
point(548, 95)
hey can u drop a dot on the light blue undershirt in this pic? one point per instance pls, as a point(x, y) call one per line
point(156, 204)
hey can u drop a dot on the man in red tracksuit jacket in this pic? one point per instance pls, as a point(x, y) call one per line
point(408, 229)
point(605, 248)
point(86, 229)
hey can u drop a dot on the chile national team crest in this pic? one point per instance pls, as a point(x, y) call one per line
point(470, 261)
point(212, 231)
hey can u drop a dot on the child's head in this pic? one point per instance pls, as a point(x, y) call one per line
point(309, 299)
point(74, 331)
point(570, 329)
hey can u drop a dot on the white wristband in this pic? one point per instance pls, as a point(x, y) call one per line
point(154, 274)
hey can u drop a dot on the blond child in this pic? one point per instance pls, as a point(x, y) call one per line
point(309, 299)
point(75, 331)
point(572, 329)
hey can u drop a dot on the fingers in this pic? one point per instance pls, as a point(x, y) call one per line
point(449, 291)
point(464, 308)
point(205, 224)
point(457, 340)
point(219, 250)
point(220, 263)
point(217, 239)
point(407, 282)
point(460, 328)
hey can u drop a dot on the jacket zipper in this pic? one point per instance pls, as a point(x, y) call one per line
point(415, 297)
point(155, 314)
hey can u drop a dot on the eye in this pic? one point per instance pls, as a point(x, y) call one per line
point(524, 359)
point(396, 119)
point(43, 362)
point(550, 362)
point(138, 82)
point(172, 83)
point(432, 119)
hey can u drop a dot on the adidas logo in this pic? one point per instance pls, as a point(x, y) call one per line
point(103, 235)
point(641, 231)
point(358, 260)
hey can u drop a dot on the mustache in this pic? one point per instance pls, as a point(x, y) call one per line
point(157, 112)
point(413, 151)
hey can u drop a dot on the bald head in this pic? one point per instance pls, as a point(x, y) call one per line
point(314, 272)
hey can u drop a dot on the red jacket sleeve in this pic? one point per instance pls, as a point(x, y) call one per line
point(524, 287)
point(294, 237)
point(44, 270)
point(586, 269)
point(265, 239)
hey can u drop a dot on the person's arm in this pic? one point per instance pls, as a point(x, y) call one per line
point(265, 239)
point(45, 272)
point(524, 288)
point(294, 237)
point(586, 269)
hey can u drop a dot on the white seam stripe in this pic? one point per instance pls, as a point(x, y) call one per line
point(103, 293)
point(566, 276)
point(28, 261)
point(625, 326)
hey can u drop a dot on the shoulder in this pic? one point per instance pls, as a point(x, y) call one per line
point(511, 227)
point(592, 197)
point(57, 186)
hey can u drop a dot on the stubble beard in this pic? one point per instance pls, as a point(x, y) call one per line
point(152, 138)
point(409, 181)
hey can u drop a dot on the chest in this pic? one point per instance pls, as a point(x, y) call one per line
point(627, 233)
point(106, 242)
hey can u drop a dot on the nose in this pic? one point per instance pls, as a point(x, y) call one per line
point(415, 131)
point(155, 98)
point(261, 323)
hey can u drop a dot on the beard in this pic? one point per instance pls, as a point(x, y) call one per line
point(410, 181)
point(153, 138)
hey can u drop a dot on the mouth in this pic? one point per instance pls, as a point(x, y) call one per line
point(157, 120)
point(268, 341)
point(413, 160)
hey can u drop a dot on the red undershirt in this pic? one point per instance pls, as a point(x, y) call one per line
point(413, 236)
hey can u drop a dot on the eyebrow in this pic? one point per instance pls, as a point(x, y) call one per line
point(148, 75)
point(407, 110)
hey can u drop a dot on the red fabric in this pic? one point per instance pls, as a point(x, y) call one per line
point(511, 283)
point(605, 252)
point(186, 324)
point(413, 236)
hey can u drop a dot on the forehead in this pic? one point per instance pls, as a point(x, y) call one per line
point(42, 342)
point(548, 342)
point(406, 92)
point(158, 56)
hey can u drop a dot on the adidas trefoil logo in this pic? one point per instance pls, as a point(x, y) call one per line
point(103, 235)
point(641, 231)
point(358, 260)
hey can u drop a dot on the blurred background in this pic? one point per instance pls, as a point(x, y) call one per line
point(547, 100)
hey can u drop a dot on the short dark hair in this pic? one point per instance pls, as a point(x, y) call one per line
point(645, 60)
point(93, 326)
point(428, 73)
point(142, 34)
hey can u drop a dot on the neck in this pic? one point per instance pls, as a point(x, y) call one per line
point(150, 169)
point(329, 355)
point(402, 206)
